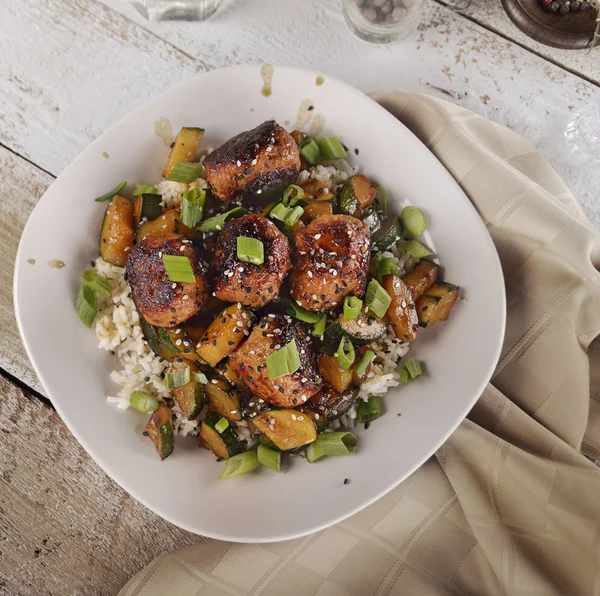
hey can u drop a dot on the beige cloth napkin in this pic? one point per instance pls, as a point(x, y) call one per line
point(508, 505)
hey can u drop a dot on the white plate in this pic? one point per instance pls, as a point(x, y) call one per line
point(460, 355)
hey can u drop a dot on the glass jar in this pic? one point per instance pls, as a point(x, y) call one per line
point(383, 21)
point(176, 10)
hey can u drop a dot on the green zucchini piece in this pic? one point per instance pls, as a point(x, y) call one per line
point(360, 331)
point(437, 302)
point(189, 397)
point(165, 339)
point(184, 147)
point(223, 399)
point(146, 208)
point(287, 429)
point(118, 231)
point(356, 195)
point(225, 444)
point(389, 233)
point(373, 221)
point(160, 431)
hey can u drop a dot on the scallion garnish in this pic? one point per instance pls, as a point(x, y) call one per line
point(340, 443)
point(413, 220)
point(144, 189)
point(269, 457)
point(99, 284)
point(295, 310)
point(293, 216)
point(352, 307)
point(345, 354)
point(179, 269)
point(284, 361)
point(377, 299)
point(404, 374)
point(292, 194)
point(381, 198)
point(250, 250)
point(192, 207)
point(177, 378)
point(280, 212)
point(221, 425)
point(416, 249)
point(310, 151)
point(313, 452)
point(216, 222)
point(319, 327)
point(201, 378)
point(86, 304)
point(411, 370)
point(331, 148)
point(366, 359)
point(186, 172)
point(370, 410)
point(112, 193)
point(388, 266)
point(143, 402)
point(239, 464)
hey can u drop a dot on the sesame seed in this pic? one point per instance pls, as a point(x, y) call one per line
point(159, 254)
point(240, 269)
point(173, 286)
point(300, 418)
point(218, 227)
point(258, 192)
point(310, 273)
point(178, 342)
point(314, 297)
point(185, 297)
point(317, 236)
point(214, 381)
point(182, 248)
point(293, 416)
point(269, 149)
point(254, 161)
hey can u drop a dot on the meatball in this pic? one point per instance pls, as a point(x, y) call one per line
point(256, 161)
point(160, 301)
point(252, 285)
point(331, 261)
point(249, 362)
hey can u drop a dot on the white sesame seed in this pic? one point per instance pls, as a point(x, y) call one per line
point(240, 269)
point(304, 380)
point(218, 227)
point(254, 162)
point(214, 381)
point(293, 416)
point(310, 273)
point(252, 352)
point(303, 396)
point(233, 411)
point(238, 163)
point(314, 297)
point(317, 236)
point(258, 192)
point(178, 342)
point(300, 418)
point(185, 297)
point(127, 248)
point(173, 286)
point(182, 248)
point(159, 254)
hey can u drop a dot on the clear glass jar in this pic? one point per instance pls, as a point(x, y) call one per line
point(176, 10)
point(383, 21)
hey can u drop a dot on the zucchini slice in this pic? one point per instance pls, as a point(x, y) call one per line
point(177, 343)
point(168, 223)
point(118, 231)
point(184, 148)
point(160, 430)
point(225, 444)
point(373, 221)
point(356, 195)
point(421, 278)
point(152, 335)
point(401, 313)
point(223, 399)
point(189, 397)
point(224, 334)
point(360, 331)
point(334, 374)
point(146, 208)
point(437, 302)
point(314, 209)
point(286, 429)
point(316, 191)
point(224, 370)
point(328, 405)
point(389, 233)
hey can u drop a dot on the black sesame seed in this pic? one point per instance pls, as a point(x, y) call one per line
point(214, 342)
point(281, 390)
point(346, 480)
point(242, 366)
point(367, 424)
point(356, 151)
point(145, 434)
point(219, 459)
point(424, 308)
point(92, 263)
point(310, 108)
point(230, 343)
point(146, 379)
point(112, 352)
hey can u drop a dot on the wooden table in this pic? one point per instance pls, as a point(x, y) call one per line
point(69, 69)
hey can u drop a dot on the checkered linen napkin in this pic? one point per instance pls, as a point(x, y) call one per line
point(509, 504)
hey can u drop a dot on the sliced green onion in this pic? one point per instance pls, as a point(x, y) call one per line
point(99, 284)
point(293, 216)
point(144, 189)
point(313, 452)
point(413, 220)
point(295, 310)
point(289, 199)
point(250, 250)
point(177, 378)
point(221, 425)
point(201, 378)
point(319, 328)
point(143, 402)
point(404, 374)
point(388, 266)
point(112, 193)
point(366, 359)
point(381, 198)
point(413, 367)
point(416, 249)
point(284, 361)
point(280, 212)
point(269, 457)
point(339, 443)
point(310, 151)
point(179, 269)
point(239, 464)
point(86, 304)
point(352, 307)
point(374, 263)
point(216, 222)
point(184, 171)
point(377, 299)
point(192, 207)
point(331, 147)
point(345, 354)
point(368, 411)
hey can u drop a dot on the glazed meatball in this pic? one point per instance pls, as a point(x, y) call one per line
point(249, 362)
point(251, 285)
point(256, 161)
point(331, 261)
point(160, 301)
